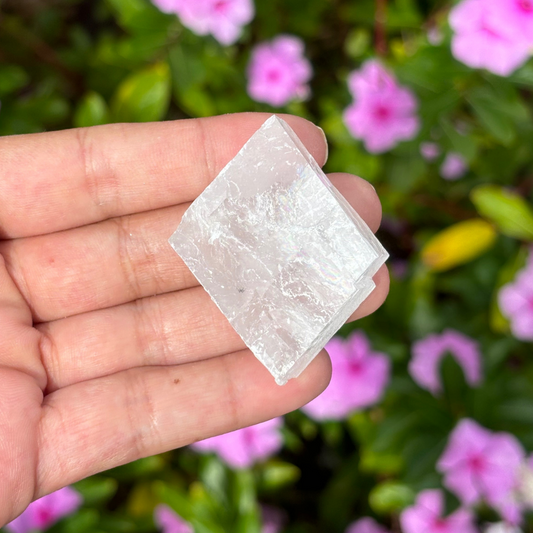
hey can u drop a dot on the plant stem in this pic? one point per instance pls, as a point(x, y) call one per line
point(380, 28)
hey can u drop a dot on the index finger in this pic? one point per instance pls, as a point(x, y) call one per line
point(60, 180)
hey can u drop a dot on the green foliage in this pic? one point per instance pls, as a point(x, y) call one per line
point(143, 96)
point(509, 211)
point(91, 111)
point(83, 63)
point(390, 496)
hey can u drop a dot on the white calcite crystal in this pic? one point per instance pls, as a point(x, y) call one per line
point(279, 250)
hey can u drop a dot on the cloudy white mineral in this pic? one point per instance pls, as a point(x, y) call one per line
point(279, 250)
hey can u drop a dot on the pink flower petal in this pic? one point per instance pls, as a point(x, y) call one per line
point(424, 366)
point(278, 72)
point(223, 19)
point(467, 438)
point(383, 113)
point(425, 516)
point(45, 512)
point(359, 377)
point(429, 151)
point(488, 35)
point(168, 521)
point(481, 465)
point(453, 167)
point(516, 303)
point(366, 525)
point(246, 446)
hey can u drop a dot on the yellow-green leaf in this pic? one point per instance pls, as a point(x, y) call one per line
point(91, 111)
point(144, 96)
point(458, 244)
point(390, 496)
point(511, 214)
point(278, 474)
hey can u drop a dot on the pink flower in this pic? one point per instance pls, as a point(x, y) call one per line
point(168, 6)
point(516, 15)
point(45, 512)
point(168, 521)
point(369, 78)
point(516, 302)
point(359, 377)
point(278, 71)
point(428, 353)
point(399, 268)
point(492, 34)
point(478, 464)
point(425, 516)
point(223, 19)
point(273, 519)
point(383, 112)
point(246, 446)
point(435, 36)
point(429, 151)
point(453, 167)
point(366, 525)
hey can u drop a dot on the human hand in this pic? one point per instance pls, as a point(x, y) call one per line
point(109, 349)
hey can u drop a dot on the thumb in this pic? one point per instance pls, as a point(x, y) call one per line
point(23, 378)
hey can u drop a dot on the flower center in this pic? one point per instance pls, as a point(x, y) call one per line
point(476, 463)
point(221, 6)
point(382, 113)
point(439, 524)
point(356, 367)
point(526, 5)
point(44, 517)
point(273, 76)
point(249, 437)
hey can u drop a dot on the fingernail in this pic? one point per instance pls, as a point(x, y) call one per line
point(326, 143)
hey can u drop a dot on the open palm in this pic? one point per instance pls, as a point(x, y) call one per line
point(109, 349)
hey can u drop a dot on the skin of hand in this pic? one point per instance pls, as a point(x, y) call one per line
point(109, 349)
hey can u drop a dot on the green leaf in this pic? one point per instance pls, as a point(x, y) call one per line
point(244, 494)
point(96, 489)
point(278, 474)
point(383, 463)
point(176, 499)
point(91, 111)
point(453, 383)
point(84, 521)
point(507, 210)
point(141, 467)
point(357, 42)
point(491, 114)
point(523, 76)
point(144, 96)
point(516, 410)
point(390, 496)
point(188, 69)
point(12, 78)
point(139, 16)
point(214, 476)
point(463, 144)
point(338, 499)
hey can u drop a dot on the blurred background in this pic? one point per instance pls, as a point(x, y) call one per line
point(428, 422)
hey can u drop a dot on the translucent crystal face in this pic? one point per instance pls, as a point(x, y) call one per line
point(279, 250)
